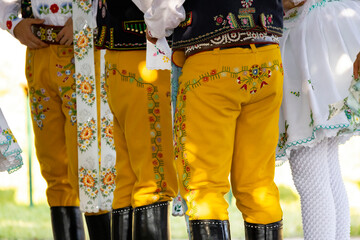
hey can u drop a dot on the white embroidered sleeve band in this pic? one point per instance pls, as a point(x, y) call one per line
point(9, 11)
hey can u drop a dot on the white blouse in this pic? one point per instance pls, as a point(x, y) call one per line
point(161, 16)
point(54, 12)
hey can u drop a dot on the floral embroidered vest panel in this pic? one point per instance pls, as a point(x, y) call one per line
point(121, 26)
point(206, 19)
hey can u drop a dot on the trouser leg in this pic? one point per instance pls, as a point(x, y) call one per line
point(140, 102)
point(227, 118)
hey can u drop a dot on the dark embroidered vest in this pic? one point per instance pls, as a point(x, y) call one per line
point(121, 26)
point(26, 10)
point(207, 19)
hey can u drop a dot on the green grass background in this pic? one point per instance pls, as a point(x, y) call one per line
point(19, 221)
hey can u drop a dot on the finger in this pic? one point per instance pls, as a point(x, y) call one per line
point(68, 43)
point(36, 21)
point(152, 40)
point(38, 42)
point(300, 4)
point(63, 40)
point(356, 69)
point(33, 45)
point(33, 42)
point(60, 35)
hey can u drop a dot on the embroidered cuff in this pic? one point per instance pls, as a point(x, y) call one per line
point(11, 23)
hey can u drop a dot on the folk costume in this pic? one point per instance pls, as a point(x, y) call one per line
point(50, 73)
point(140, 101)
point(320, 42)
point(227, 111)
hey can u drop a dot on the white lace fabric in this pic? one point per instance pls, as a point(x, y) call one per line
point(10, 158)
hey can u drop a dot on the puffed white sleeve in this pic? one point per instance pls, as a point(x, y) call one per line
point(9, 14)
point(161, 16)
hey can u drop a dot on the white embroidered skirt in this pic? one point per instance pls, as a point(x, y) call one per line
point(320, 43)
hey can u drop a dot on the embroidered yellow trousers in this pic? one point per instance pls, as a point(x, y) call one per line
point(140, 102)
point(226, 124)
point(52, 93)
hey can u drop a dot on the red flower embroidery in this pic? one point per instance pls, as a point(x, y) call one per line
point(149, 89)
point(114, 72)
point(205, 79)
point(164, 184)
point(263, 83)
point(187, 169)
point(269, 73)
point(238, 80)
point(151, 119)
point(155, 163)
point(244, 87)
point(213, 72)
point(219, 19)
point(253, 91)
point(9, 24)
point(183, 126)
point(160, 155)
point(184, 97)
point(124, 72)
point(54, 8)
point(156, 111)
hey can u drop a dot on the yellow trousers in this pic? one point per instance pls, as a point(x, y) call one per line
point(226, 123)
point(140, 102)
point(52, 93)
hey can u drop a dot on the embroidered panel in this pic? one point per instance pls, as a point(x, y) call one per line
point(96, 167)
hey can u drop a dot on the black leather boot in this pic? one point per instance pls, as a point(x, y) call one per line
point(122, 223)
point(99, 226)
point(271, 231)
point(209, 229)
point(67, 223)
point(151, 222)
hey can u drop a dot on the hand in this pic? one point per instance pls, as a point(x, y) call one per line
point(356, 69)
point(65, 36)
point(288, 4)
point(150, 39)
point(23, 33)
